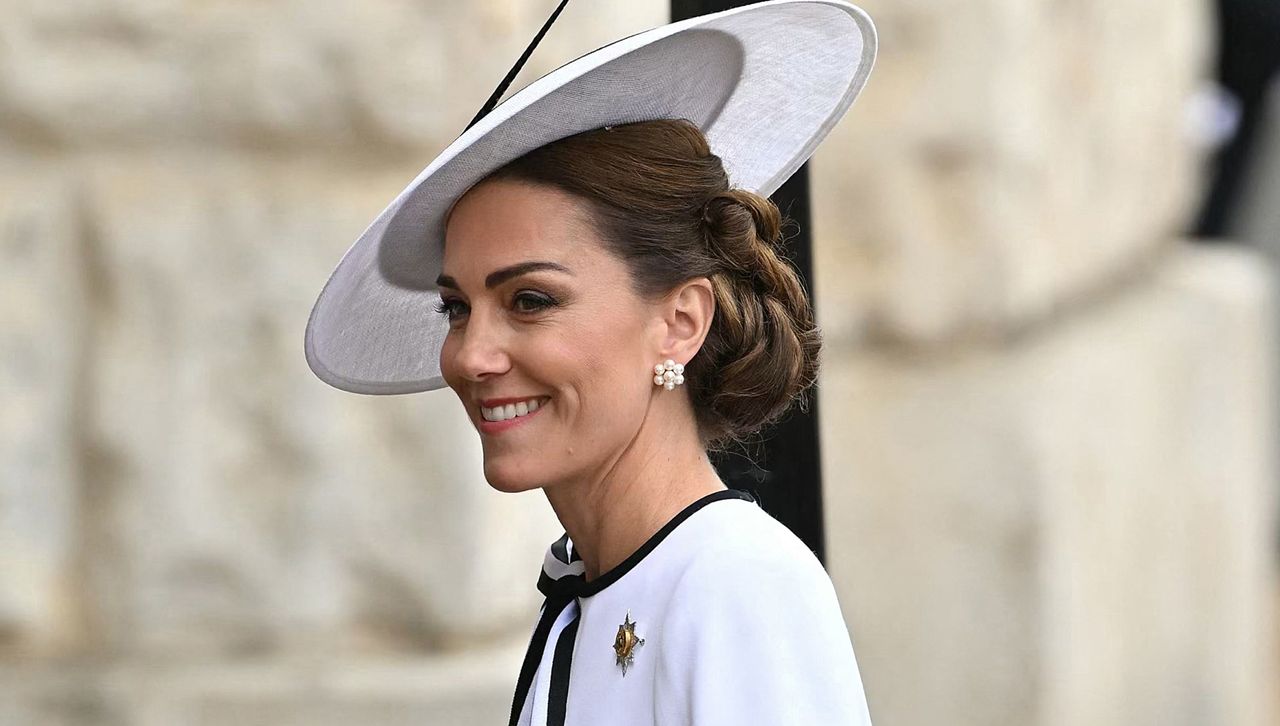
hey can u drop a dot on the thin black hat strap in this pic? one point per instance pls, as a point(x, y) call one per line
point(511, 75)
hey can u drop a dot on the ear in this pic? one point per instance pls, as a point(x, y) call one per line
point(687, 312)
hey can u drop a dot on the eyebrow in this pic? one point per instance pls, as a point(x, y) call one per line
point(498, 277)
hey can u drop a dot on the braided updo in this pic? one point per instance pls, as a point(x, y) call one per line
point(663, 204)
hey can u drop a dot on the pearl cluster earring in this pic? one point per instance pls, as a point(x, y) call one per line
point(668, 374)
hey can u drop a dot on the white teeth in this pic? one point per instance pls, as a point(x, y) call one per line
point(510, 410)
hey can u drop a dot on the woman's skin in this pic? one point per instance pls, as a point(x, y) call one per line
point(616, 455)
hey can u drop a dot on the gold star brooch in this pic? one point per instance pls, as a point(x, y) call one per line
point(625, 644)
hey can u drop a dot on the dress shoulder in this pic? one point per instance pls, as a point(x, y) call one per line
point(743, 540)
point(754, 633)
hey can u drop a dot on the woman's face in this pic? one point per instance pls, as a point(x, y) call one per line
point(544, 323)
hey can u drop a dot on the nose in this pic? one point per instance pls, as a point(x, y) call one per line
point(479, 350)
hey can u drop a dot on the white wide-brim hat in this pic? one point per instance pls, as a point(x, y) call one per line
point(765, 83)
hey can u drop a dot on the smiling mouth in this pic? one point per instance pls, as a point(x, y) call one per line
point(512, 410)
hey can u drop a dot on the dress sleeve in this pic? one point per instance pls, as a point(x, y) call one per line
point(757, 640)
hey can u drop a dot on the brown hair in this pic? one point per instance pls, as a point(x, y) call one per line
point(663, 204)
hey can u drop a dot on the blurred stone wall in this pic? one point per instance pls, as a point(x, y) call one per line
point(193, 528)
point(1050, 421)
point(1047, 419)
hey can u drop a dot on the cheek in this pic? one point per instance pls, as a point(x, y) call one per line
point(611, 377)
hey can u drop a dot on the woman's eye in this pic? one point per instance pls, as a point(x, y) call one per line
point(451, 308)
point(528, 302)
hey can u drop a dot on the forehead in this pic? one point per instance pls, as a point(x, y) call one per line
point(499, 223)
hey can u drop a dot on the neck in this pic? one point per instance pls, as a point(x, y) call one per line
point(611, 513)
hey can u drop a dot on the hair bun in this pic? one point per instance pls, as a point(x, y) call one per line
point(740, 216)
point(744, 230)
point(768, 352)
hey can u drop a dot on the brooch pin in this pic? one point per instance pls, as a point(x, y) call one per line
point(625, 644)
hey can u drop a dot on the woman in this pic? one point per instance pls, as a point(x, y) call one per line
point(610, 306)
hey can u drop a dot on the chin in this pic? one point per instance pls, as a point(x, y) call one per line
point(509, 476)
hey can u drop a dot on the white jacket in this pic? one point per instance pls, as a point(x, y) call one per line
point(739, 621)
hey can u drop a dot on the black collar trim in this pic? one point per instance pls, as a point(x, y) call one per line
point(578, 586)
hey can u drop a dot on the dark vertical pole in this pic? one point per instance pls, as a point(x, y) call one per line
point(786, 470)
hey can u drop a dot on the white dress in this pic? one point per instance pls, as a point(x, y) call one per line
point(739, 622)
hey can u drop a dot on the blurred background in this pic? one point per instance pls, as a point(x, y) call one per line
point(1044, 242)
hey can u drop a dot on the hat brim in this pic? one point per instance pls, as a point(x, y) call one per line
point(764, 82)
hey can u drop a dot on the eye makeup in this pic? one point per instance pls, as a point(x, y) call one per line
point(532, 301)
point(524, 301)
